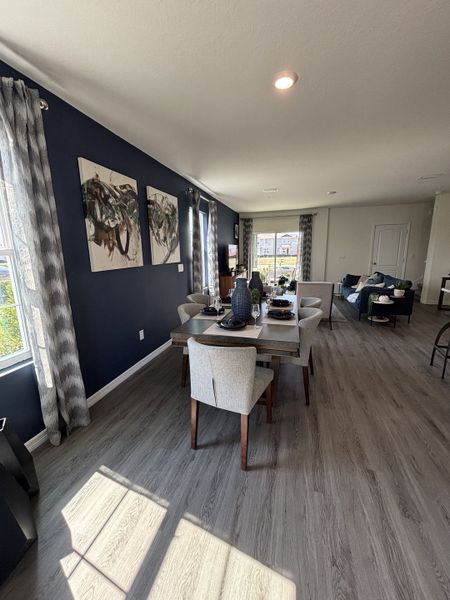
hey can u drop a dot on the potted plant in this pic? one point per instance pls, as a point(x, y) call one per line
point(292, 285)
point(282, 284)
point(371, 299)
point(399, 288)
point(256, 296)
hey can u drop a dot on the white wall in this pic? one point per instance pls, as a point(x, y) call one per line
point(438, 256)
point(342, 237)
point(350, 234)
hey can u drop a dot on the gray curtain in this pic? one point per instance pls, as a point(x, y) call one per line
point(247, 244)
point(213, 260)
point(36, 242)
point(305, 227)
point(197, 259)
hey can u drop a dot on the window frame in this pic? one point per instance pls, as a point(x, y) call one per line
point(6, 249)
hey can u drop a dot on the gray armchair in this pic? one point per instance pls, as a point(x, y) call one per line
point(186, 312)
point(227, 378)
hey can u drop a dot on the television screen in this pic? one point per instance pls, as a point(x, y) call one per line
point(232, 256)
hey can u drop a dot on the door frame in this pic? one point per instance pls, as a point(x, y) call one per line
point(405, 252)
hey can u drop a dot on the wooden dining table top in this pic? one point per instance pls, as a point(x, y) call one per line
point(281, 340)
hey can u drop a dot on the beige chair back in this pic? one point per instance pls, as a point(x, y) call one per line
point(199, 299)
point(308, 323)
point(189, 310)
point(319, 289)
point(223, 377)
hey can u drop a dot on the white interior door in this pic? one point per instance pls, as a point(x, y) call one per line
point(390, 245)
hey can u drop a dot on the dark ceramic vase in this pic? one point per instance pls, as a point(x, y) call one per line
point(241, 300)
point(255, 283)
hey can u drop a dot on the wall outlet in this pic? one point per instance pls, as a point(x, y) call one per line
point(141, 334)
point(180, 267)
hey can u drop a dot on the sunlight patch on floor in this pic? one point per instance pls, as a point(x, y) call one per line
point(199, 565)
point(112, 528)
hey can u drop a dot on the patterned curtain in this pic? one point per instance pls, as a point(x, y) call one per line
point(213, 260)
point(37, 248)
point(247, 243)
point(306, 235)
point(197, 262)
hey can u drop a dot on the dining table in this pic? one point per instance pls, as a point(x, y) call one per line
point(270, 337)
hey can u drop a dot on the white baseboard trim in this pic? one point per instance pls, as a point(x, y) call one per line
point(41, 437)
point(36, 441)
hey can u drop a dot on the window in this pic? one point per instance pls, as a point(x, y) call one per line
point(277, 255)
point(13, 339)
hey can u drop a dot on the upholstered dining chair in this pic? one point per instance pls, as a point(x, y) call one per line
point(309, 319)
point(319, 289)
point(310, 302)
point(199, 299)
point(186, 312)
point(228, 378)
point(443, 349)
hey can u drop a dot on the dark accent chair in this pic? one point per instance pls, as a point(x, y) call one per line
point(403, 306)
point(442, 349)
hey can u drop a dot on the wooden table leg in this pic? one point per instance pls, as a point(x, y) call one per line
point(276, 372)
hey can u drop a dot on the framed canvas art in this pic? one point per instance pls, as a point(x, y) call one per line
point(164, 227)
point(111, 211)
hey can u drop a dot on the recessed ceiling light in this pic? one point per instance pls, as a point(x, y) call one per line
point(431, 176)
point(270, 190)
point(331, 192)
point(285, 80)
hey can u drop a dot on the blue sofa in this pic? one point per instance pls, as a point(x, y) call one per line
point(404, 307)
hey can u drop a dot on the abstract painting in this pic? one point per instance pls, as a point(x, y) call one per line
point(111, 211)
point(163, 222)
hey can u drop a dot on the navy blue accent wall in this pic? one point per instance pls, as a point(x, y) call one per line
point(110, 307)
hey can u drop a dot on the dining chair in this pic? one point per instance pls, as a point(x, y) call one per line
point(310, 302)
point(228, 378)
point(199, 299)
point(309, 319)
point(443, 349)
point(185, 312)
point(319, 289)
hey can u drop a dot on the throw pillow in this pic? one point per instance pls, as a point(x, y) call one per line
point(362, 282)
point(350, 280)
point(376, 278)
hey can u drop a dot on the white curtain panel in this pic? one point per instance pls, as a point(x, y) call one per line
point(213, 260)
point(37, 248)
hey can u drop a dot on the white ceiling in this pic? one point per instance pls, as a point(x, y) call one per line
point(190, 83)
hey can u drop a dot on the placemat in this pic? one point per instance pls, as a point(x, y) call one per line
point(250, 331)
point(271, 321)
point(211, 317)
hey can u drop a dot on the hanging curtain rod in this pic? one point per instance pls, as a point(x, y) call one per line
point(43, 104)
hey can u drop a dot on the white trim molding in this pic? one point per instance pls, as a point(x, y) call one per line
point(41, 437)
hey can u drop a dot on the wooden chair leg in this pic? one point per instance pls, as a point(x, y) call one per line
point(184, 369)
point(269, 403)
point(194, 423)
point(244, 441)
point(311, 364)
point(306, 384)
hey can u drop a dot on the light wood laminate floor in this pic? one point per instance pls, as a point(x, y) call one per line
point(347, 498)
